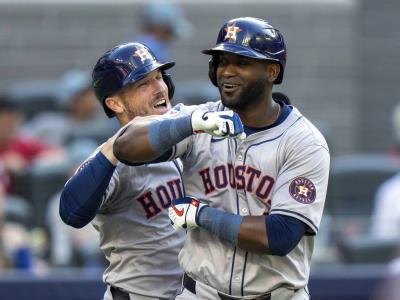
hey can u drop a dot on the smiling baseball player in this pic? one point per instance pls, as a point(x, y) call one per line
point(128, 204)
point(255, 202)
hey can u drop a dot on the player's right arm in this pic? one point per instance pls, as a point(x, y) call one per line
point(83, 193)
point(145, 139)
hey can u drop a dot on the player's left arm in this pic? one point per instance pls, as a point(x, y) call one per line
point(249, 233)
point(274, 234)
point(290, 217)
point(297, 201)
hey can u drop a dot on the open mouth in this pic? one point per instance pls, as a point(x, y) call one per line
point(229, 87)
point(160, 103)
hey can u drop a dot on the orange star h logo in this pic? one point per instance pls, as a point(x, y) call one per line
point(231, 32)
point(143, 54)
point(303, 190)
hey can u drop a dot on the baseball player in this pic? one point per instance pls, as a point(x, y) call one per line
point(256, 201)
point(128, 204)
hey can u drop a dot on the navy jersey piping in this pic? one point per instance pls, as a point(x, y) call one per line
point(270, 140)
point(173, 150)
point(315, 228)
point(232, 266)
point(237, 212)
point(243, 273)
point(180, 174)
point(286, 110)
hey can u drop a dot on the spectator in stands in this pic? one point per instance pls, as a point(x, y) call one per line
point(385, 220)
point(18, 152)
point(81, 114)
point(15, 249)
point(161, 24)
point(77, 95)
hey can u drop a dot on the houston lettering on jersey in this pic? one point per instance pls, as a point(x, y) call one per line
point(241, 177)
point(154, 201)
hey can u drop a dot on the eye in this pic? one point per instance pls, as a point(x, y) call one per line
point(159, 77)
point(242, 62)
point(222, 62)
point(142, 83)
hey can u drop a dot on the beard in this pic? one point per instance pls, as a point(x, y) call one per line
point(248, 96)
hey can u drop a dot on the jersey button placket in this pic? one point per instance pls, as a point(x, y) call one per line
point(242, 210)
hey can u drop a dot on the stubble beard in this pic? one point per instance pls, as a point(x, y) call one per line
point(247, 97)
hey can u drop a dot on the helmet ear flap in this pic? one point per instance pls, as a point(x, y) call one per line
point(170, 85)
point(212, 69)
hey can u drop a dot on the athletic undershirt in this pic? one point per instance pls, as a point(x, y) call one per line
point(284, 233)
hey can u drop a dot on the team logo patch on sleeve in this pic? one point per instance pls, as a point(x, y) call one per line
point(302, 190)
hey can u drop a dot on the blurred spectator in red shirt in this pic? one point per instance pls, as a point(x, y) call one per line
point(16, 151)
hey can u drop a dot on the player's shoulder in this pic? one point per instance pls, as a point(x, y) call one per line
point(304, 131)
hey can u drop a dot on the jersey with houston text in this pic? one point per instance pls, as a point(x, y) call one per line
point(136, 236)
point(280, 170)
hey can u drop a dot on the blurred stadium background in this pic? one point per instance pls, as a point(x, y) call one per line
point(342, 73)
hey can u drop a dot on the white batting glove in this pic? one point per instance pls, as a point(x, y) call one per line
point(183, 212)
point(218, 123)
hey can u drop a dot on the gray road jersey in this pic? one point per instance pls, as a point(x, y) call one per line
point(135, 232)
point(281, 170)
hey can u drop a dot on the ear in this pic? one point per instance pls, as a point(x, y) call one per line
point(115, 104)
point(273, 70)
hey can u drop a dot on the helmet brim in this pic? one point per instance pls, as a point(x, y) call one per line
point(144, 71)
point(238, 50)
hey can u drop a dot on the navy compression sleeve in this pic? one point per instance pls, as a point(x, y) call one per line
point(83, 193)
point(284, 233)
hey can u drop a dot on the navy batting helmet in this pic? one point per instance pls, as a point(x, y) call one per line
point(249, 37)
point(123, 65)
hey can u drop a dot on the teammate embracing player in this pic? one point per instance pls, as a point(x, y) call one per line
point(255, 202)
point(128, 204)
